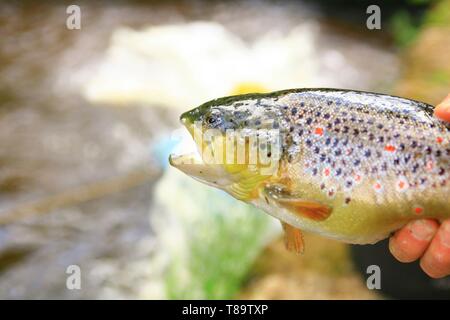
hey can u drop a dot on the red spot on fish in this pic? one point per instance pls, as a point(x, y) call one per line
point(319, 131)
point(430, 165)
point(326, 172)
point(402, 184)
point(358, 178)
point(418, 210)
point(377, 186)
point(389, 148)
point(439, 139)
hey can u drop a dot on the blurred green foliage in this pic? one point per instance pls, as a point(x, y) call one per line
point(218, 264)
point(440, 15)
point(404, 28)
point(211, 239)
point(406, 25)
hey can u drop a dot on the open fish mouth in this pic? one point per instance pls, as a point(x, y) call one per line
point(186, 151)
point(187, 158)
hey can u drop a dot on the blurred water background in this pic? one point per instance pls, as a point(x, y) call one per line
point(87, 118)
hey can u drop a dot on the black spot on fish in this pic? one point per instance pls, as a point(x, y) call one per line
point(407, 158)
point(335, 142)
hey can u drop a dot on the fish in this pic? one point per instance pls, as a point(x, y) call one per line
point(348, 165)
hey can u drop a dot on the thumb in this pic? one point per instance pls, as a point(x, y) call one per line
point(442, 110)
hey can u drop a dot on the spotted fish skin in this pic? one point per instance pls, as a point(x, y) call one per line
point(378, 161)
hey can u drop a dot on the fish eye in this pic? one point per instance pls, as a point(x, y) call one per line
point(213, 118)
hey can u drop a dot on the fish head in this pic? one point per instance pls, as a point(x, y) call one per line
point(236, 140)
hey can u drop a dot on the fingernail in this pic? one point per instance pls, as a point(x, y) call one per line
point(422, 229)
point(445, 235)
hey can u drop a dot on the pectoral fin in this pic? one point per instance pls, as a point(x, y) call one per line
point(293, 238)
point(306, 208)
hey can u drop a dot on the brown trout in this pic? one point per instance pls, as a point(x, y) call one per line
point(352, 166)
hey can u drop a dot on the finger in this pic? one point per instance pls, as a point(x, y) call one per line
point(436, 260)
point(442, 110)
point(409, 243)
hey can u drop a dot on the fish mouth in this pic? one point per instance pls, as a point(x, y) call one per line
point(187, 151)
point(188, 159)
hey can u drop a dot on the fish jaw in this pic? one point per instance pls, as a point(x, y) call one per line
point(191, 162)
point(207, 165)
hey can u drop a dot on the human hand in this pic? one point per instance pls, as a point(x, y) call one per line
point(426, 239)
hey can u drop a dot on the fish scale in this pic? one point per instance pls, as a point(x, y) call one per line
point(351, 136)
